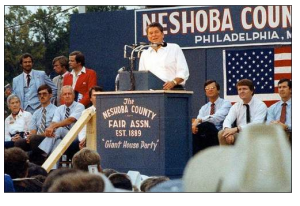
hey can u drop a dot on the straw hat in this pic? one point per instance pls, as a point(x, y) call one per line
point(261, 161)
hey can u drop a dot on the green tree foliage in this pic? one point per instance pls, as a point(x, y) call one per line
point(104, 8)
point(50, 29)
point(44, 34)
point(16, 40)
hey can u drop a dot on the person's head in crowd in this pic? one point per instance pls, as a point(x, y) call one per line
point(14, 103)
point(245, 90)
point(56, 174)
point(68, 95)
point(155, 32)
point(285, 89)
point(78, 182)
point(40, 178)
point(45, 94)
point(108, 171)
point(60, 65)
point(212, 89)
point(85, 157)
point(147, 184)
point(26, 62)
point(15, 162)
point(34, 170)
point(76, 60)
point(92, 93)
point(121, 181)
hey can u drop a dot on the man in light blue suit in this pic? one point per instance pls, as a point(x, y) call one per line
point(25, 85)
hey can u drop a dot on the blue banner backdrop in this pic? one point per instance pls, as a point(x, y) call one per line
point(219, 26)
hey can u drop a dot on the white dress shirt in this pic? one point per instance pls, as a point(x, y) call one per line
point(167, 63)
point(20, 124)
point(75, 77)
point(258, 112)
point(82, 133)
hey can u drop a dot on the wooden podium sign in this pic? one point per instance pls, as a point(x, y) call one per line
point(146, 131)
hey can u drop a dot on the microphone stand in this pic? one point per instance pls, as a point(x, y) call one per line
point(132, 58)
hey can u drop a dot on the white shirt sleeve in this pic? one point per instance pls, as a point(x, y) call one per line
point(7, 135)
point(82, 133)
point(231, 117)
point(27, 119)
point(182, 67)
point(141, 63)
point(260, 113)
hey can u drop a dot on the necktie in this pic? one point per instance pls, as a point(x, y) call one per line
point(59, 86)
point(283, 113)
point(42, 127)
point(247, 113)
point(212, 108)
point(67, 116)
point(28, 80)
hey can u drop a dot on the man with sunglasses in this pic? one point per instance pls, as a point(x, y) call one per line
point(210, 118)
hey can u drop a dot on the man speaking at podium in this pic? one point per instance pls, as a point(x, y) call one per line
point(166, 61)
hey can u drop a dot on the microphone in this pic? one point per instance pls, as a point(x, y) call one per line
point(139, 44)
point(118, 78)
point(163, 44)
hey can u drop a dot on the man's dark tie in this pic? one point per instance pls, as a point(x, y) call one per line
point(42, 127)
point(67, 116)
point(247, 113)
point(212, 109)
point(283, 113)
point(28, 80)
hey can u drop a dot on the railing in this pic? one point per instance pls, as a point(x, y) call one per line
point(88, 118)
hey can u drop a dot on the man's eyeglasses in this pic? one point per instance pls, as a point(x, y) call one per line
point(209, 88)
point(43, 94)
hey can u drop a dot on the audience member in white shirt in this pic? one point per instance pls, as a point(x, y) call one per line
point(249, 110)
point(17, 123)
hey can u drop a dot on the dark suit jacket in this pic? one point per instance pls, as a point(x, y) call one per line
point(84, 82)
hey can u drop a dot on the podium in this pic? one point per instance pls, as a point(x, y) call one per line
point(146, 131)
point(144, 80)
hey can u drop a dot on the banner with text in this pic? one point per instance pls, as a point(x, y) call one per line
point(219, 26)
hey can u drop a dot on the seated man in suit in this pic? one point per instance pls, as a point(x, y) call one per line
point(281, 112)
point(64, 118)
point(26, 84)
point(248, 110)
point(210, 118)
point(80, 78)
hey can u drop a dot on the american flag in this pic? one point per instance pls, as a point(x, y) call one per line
point(265, 67)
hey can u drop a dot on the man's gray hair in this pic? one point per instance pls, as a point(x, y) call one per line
point(67, 87)
point(12, 96)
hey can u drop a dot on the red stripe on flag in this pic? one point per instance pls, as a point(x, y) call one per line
point(286, 49)
point(283, 63)
point(283, 76)
point(270, 103)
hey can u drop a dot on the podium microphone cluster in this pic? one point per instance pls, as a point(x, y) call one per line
point(163, 44)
